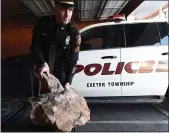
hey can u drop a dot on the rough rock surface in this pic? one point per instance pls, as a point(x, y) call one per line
point(64, 109)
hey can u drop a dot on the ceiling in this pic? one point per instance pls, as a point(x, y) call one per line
point(84, 9)
point(95, 9)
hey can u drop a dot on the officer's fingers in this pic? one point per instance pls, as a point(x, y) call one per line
point(48, 71)
point(41, 72)
point(67, 86)
point(48, 74)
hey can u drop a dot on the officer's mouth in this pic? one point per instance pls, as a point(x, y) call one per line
point(66, 19)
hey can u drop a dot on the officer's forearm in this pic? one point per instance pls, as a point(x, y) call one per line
point(71, 71)
point(72, 66)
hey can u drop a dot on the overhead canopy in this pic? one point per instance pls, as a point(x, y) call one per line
point(96, 9)
point(84, 9)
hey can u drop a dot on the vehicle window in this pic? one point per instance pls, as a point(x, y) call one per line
point(164, 32)
point(141, 34)
point(101, 38)
point(93, 38)
point(114, 37)
point(95, 43)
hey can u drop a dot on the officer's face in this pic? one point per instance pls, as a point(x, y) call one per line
point(63, 15)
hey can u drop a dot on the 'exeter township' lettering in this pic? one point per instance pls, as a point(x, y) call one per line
point(110, 84)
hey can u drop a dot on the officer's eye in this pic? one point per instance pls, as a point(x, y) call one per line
point(71, 9)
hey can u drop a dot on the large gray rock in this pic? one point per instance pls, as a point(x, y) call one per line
point(64, 109)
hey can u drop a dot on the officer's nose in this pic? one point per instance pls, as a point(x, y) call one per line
point(66, 13)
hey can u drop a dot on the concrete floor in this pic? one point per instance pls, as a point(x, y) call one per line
point(107, 117)
point(127, 118)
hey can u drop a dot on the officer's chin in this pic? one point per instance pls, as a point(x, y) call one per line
point(65, 22)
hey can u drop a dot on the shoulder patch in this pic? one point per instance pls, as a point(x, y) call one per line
point(78, 39)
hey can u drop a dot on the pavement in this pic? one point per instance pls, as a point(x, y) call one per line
point(105, 118)
point(127, 118)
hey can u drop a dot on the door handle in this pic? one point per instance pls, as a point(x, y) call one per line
point(109, 57)
point(166, 53)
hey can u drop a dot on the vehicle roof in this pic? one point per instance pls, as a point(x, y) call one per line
point(122, 22)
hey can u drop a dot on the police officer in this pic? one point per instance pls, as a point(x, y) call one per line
point(56, 43)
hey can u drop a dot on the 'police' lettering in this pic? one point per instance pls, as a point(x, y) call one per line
point(119, 68)
point(162, 66)
point(146, 67)
point(130, 67)
point(106, 69)
point(79, 68)
point(97, 68)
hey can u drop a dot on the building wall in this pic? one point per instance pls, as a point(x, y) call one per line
point(160, 13)
point(16, 34)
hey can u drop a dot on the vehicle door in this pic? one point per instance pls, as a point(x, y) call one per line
point(98, 69)
point(146, 61)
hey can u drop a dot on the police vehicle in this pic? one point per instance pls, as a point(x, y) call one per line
point(123, 61)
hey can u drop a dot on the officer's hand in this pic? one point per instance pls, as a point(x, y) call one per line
point(44, 69)
point(67, 85)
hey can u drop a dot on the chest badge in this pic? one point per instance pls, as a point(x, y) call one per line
point(67, 40)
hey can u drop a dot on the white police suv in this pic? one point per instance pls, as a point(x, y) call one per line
point(123, 61)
